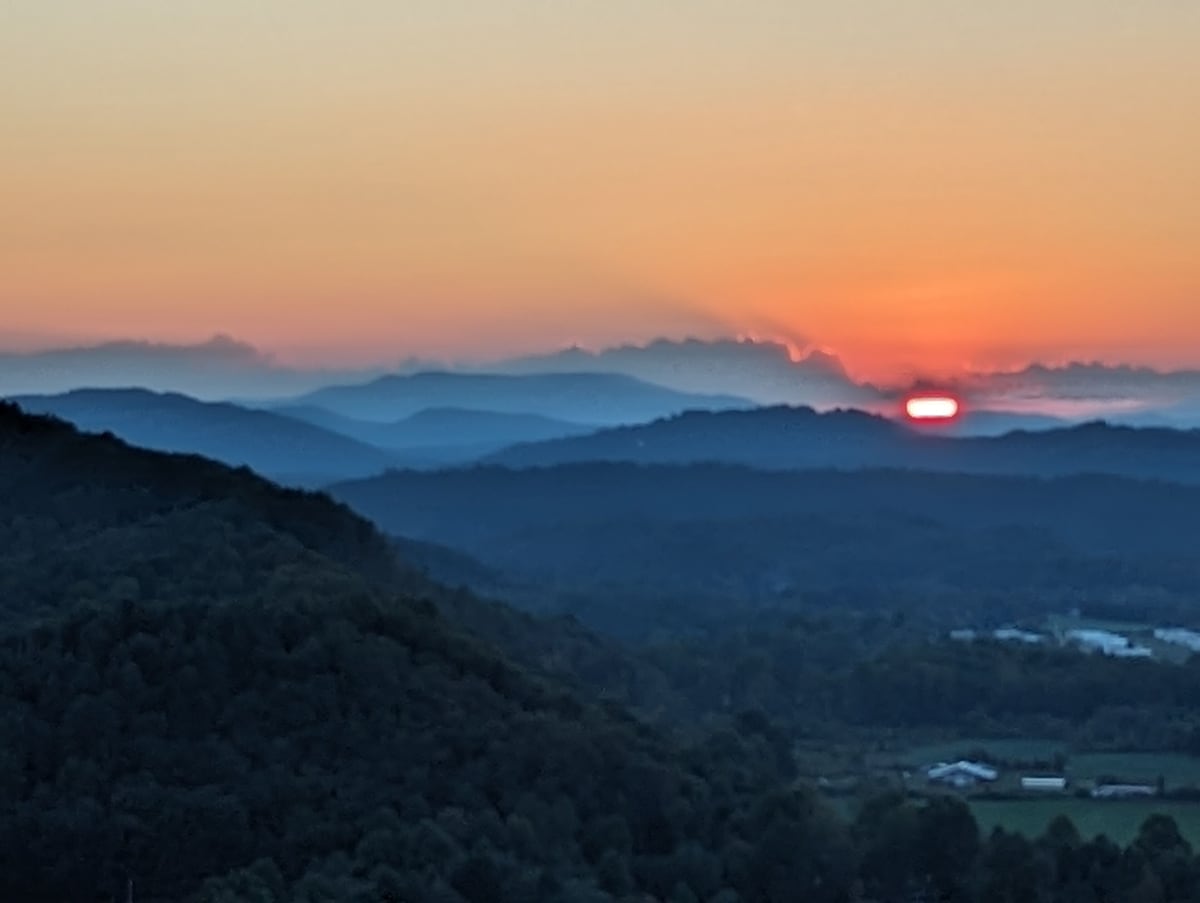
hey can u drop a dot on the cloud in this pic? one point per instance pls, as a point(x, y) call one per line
point(767, 371)
point(775, 366)
point(221, 367)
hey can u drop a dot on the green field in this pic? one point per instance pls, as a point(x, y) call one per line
point(1118, 819)
point(1176, 769)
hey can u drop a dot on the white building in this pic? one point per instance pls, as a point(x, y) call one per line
point(1013, 635)
point(1122, 791)
point(1044, 784)
point(1003, 634)
point(960, 774)
point(1107, 643)
point(1097, 640)
point(1131, 652)
point(1179, 636)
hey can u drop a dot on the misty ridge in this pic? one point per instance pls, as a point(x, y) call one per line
point(600, 485)
point(761, 371)
point(753, 403)
point(418, 420)
point(590, 479)
point(782, 438)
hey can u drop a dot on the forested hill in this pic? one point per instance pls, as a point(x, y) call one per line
point(785, 438)
point(90, 518)
point(638, 548)
point(225, 697)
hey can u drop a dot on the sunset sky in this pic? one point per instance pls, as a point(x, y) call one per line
point(912, 184)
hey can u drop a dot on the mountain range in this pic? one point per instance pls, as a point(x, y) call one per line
point(305, 444)
point(592, 398)
point(280, 447)
point(801, 438)
point(458, 432)
point(764, 372)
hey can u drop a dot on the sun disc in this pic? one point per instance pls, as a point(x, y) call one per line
point(931, 407)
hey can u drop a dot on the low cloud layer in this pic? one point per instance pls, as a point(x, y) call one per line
point(767, 371)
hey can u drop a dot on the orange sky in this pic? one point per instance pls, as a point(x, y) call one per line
point(913, 183)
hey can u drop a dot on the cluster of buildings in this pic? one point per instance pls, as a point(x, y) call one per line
point(1004, 634)
point(966, 775)
point(1088, 639)
point(1104, 642)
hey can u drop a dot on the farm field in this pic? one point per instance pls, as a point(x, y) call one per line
point(1118, 819)
point(1176, 769)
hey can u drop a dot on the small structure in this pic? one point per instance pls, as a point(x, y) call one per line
point(1015, 635)
point(1179, 636)
point(960, 774)
point(1107, 643)
point(1122, 791)
point(1043, 784)
point(839, 784)
point(1132, 652)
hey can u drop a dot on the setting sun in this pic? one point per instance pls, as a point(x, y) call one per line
point(931, 407)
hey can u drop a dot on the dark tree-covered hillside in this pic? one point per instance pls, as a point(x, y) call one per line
point(222, 690)
point(214, 690)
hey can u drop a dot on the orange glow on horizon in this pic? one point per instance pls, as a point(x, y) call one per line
point(914, 186)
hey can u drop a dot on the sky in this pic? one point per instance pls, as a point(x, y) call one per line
point(917, 185)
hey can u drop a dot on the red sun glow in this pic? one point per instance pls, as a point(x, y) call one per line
point(933, 408)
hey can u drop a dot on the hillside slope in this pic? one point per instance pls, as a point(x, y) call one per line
point(219, 690)
point(276, 446)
